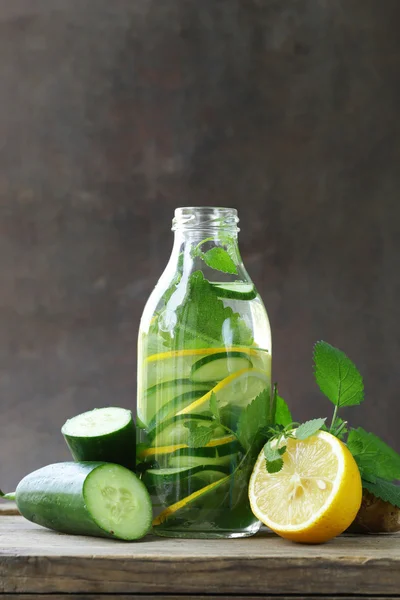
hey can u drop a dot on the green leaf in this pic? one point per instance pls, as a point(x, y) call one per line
point(202, 318)
point(198, 436)
point(283, 416)
point(385, 490)
point(373, 456)
point(219, 259)
point(337, 376)
point(309, 428)
point(271, 452)
point(253, 418)
point(274, 466)
point(214, 408)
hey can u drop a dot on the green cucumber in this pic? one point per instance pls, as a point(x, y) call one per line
point(175, 405)
point(174, 475)
point(216, 367)
point(223, 455)
point(102, 434)
point(175, 430)
point(88, 498)
point(162, 393)
point(235, 290)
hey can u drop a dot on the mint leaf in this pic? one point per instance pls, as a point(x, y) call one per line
point(214, 408)
point(337, 376)
point(272, 452)
point(283, 415)
point(202, 318)
point(373, 456)
point(219, 259)
point(253, 418)
point(309, 428)
point(274, 466)
point(198, 436)
point(386, 491)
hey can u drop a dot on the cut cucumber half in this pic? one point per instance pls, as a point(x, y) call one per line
point(239, 389)
point(235, 290)
point(103, 434)
point(90, 498)
point(218, 366)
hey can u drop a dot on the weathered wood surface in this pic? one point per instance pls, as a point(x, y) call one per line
point(37, 561)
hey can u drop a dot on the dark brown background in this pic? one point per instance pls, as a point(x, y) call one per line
point(113, 113)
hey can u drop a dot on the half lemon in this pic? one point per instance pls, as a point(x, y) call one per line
point(315, 496)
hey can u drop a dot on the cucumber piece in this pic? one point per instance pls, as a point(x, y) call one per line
point(239, 389)
point(174, 430)
point(160, 394)
point(157, 453)
point(91, 498)
point(223, 455)
point(103, 434)
point(175, 405)
point(172, 475)
point(201, 494)
point(235, 290)
point(219, 365)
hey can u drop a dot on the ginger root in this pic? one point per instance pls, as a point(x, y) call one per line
point(375, 516)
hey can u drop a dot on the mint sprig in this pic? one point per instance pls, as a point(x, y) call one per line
point(340, 381)
point(276, 447)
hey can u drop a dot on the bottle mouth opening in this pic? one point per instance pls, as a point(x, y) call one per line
point(205, 217)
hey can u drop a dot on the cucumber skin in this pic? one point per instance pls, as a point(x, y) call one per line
point(118, 447)
point(53, 497)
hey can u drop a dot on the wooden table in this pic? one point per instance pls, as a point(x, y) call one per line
point(50, 565)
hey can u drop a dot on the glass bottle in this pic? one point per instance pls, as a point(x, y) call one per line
point(204, 355)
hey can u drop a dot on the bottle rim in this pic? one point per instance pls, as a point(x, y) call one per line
point(205, 217)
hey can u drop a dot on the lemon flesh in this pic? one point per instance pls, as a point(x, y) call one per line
point(315, 496)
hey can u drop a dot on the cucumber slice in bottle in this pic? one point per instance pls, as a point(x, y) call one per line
point(235, 290)
point(223, 455)
point(103, 434)
point(185, 502)
point(173, 475)
point(218, 366)
point(175, 431)
point(162, 393)
point(239, 389)
point(216, 446)
point(175, 405)
point(90, 498)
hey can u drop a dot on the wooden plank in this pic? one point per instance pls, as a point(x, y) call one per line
point(8, 508)
point(180, 597)
point(34, 560)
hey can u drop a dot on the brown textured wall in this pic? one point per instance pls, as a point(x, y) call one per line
point(113, 113)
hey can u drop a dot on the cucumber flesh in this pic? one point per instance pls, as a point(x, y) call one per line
point(104, 435)
point(235, 290)
point(90, 498)
point(215, 367)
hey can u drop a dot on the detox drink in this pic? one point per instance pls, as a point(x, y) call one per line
point(204, 382)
